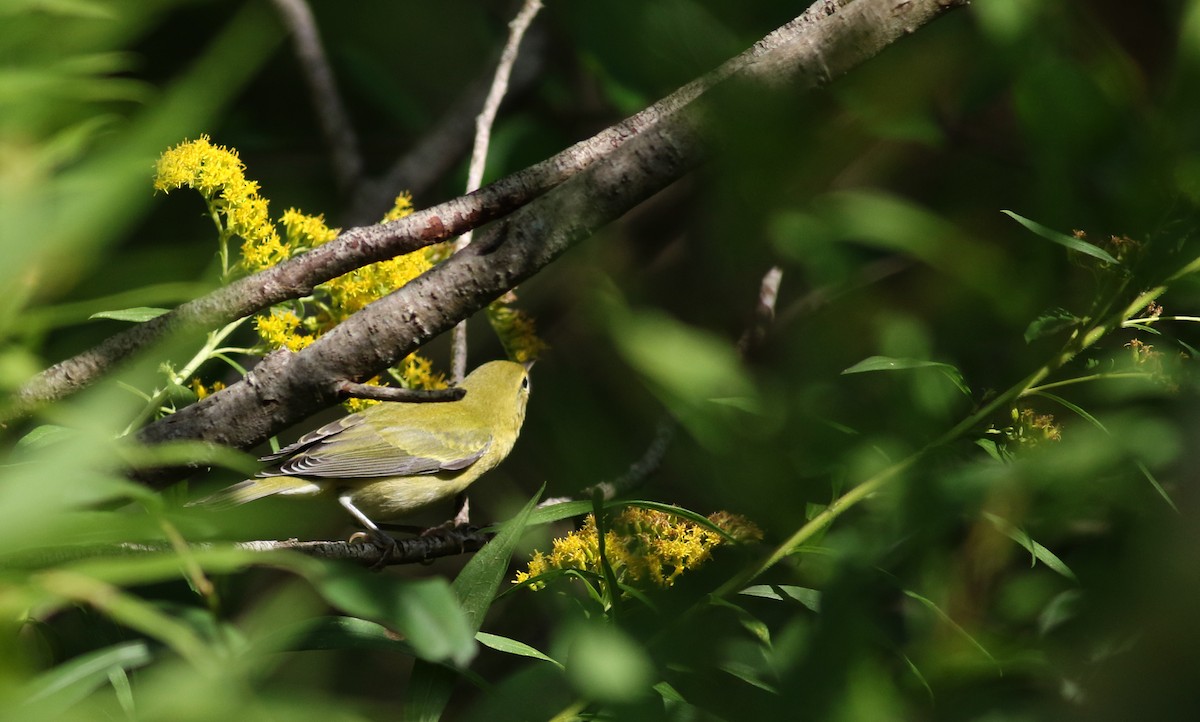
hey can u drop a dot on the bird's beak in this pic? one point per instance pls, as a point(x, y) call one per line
point(529, 365)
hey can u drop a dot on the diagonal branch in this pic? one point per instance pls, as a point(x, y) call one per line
point(824, 42)
point(642, 154)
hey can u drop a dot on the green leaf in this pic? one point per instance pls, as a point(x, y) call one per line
point(70, 682)
point(810, 598)
point(512, 646)
point(1050, 323)
point(425, 611)
point(890, 363)
point(1096, 422)
point(138, 314)
point(1075, 244)
point(45, 435)
point(953, 624)
point(475, 587)
point(334, 632)
point(1039, 552)
point(606, 665)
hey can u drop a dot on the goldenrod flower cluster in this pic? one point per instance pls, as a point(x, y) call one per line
point(515, 329)
point(1030, 429)
point(239, 211)
point(641, 545)
point(233, 201)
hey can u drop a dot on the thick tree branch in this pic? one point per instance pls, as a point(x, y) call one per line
point(831, 37)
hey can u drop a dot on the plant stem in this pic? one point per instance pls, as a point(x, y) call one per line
point(1078, 342)
point(204, 354)
point(1084, 379)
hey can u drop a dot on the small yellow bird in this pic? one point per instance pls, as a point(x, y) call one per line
point(396, 457)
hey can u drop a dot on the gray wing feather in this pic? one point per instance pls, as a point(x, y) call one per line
point(348, 448)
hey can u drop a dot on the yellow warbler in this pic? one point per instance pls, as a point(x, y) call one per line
point(396, 457)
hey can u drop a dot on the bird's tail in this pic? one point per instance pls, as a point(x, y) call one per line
point(252, 489)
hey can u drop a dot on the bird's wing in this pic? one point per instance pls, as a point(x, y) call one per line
point(350, 448)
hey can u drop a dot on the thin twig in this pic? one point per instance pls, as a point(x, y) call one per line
point(447, 141)
point(413, 550)
point(335, 122)
point(479, 154)
point(764, 312)
point(352, 389)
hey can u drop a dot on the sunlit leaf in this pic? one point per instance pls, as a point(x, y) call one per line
point(1050, 323)
point(1039, 552)
point(810, 598)
point(512, 646)
point(889, 363)
point(140, 314)
point(1075, 244)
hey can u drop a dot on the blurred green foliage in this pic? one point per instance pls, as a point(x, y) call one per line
point(995, 573)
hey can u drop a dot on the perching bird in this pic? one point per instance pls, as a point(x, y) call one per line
point(396, 457)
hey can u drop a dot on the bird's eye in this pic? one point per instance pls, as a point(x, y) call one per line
point(525, 385)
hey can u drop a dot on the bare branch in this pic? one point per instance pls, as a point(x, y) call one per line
point(331, 113)
point(479, 154)
point(432, 157)
point(414, 550)
point(764, 312)
point(350, 389)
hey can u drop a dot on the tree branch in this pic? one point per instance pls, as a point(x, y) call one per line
point(643, 154)
point(446, 142)
point(350, 389)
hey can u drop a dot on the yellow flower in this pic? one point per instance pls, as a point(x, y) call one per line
point(643, 545)
point(402, 207)
point(280, 329)
point(303, 231)
point(516, 330)
point(203, 391)
point(200, 165)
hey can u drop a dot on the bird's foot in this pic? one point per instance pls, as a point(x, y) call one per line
point(388, 547)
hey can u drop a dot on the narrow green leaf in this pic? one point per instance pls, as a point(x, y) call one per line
point(1039, 552)
point(512, 646)
point(430, 684)
point(1075, 244)
point(335, 632)
point(1157, 486)
point(810, 598)
point(889, 363)
point(45, 435)
point(747, 674)
point(953, 624)
point(137, 314)
point(72, 681)
point(920, 677)
point(1096, 422)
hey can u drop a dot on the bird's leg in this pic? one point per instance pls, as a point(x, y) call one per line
point(379, 537)
point(460, 520)
point(462, 510)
